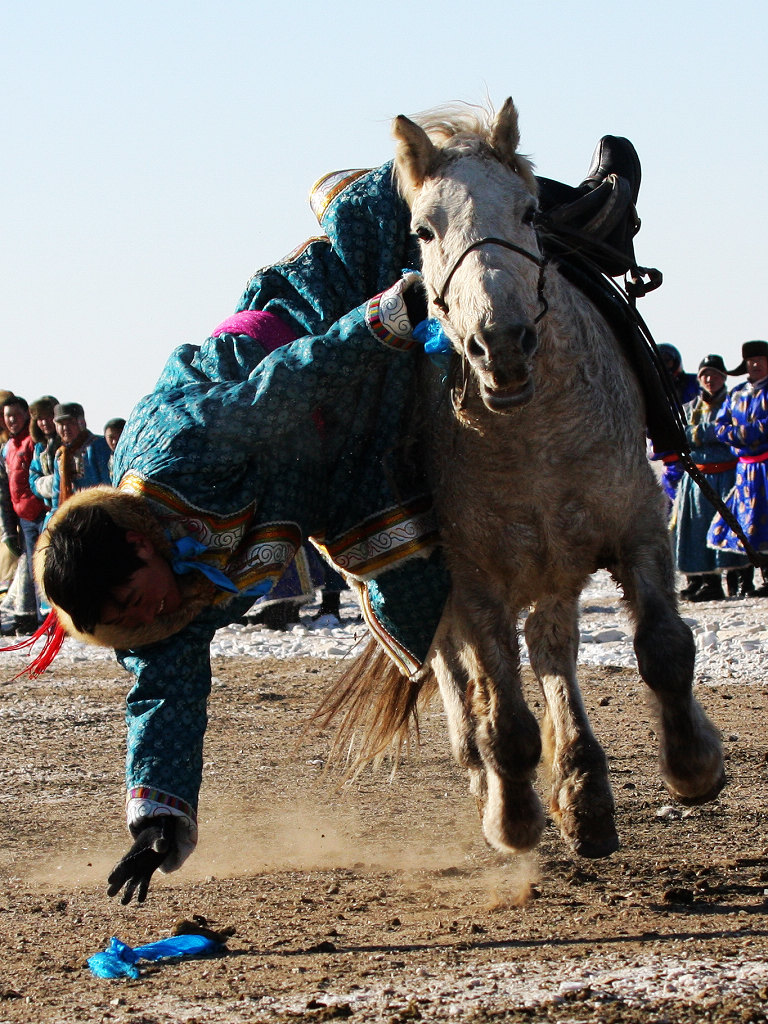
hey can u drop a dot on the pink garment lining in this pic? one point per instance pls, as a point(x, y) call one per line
point(266, 328)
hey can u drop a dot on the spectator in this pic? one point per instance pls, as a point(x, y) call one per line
point(8, 559)
point(693, 511)
point(742, 423)
point(22, 515)
point(112, 431)
point(44, 434)
point(82, 459)
point(686, 387)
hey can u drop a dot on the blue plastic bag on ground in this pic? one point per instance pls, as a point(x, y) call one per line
point(119, 960)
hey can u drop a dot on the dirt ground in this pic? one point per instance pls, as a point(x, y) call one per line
point(379, 900)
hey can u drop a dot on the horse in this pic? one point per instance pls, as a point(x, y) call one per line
point(540, 477)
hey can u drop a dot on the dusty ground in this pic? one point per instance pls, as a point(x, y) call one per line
point(381, 901)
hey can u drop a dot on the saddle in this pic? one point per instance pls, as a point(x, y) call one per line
point(598, 219)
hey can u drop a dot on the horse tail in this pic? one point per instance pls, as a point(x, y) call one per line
point(372, 707)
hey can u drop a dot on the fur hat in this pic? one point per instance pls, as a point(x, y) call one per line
point(131, 512)
point(42, 407)
point(750, 348)
point(713, 362)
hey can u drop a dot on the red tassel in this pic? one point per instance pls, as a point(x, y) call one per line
point(54, 637)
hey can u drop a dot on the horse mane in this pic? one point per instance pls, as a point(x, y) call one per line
point(458, 128)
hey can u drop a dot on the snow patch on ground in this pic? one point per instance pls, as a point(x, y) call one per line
point(731, 636)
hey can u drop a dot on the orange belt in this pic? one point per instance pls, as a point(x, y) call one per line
point(717, 467)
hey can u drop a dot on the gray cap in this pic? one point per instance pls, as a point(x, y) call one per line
point(66, 411)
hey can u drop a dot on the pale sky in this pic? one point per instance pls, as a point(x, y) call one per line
point(156, 154)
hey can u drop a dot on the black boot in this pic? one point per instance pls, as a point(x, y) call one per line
point(762, 590)
point(711, 589)
point(732, 580)
point(330, 605)
point(614, 155)
point(25, 625)
point(598, 219)
point(746, 583)
point(274, 616)
point(693, 583)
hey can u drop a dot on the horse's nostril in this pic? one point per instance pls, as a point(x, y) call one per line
point(475, 349)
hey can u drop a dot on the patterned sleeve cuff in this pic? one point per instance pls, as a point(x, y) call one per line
point(387, 318)
point(142, 802)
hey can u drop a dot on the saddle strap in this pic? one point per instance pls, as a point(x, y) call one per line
point(665, 418)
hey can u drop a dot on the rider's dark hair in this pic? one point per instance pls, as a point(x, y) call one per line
point(87, 558)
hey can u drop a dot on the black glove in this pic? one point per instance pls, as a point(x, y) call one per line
point(415, 298)
point(154, 842)
point(13, 546)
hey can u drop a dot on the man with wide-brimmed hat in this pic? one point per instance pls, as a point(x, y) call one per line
point(703, 566)
point(742, 423)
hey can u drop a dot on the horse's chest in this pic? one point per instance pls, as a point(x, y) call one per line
point(512, 507)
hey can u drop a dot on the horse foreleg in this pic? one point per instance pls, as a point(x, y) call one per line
point(690, 752)
point(493, 732)
point(453, 682)
point(581, 802)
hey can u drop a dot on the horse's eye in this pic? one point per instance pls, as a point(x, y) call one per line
point(529, 216)
point(424, 234)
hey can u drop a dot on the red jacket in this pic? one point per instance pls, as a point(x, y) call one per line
point(18, 454)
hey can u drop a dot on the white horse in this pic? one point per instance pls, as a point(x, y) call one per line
point(540, 478)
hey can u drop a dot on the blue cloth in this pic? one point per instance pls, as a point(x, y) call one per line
point(742, 424)
point(119, 960)
point(183, 561)
point(693, 511)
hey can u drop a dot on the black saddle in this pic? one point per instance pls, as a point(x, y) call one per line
point(599, 218)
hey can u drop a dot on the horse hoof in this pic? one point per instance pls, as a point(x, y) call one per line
point(513, 818)
point(694, 799)
point(592, 837)
point(596, 848)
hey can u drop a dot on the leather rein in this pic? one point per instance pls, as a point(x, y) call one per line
point(540, 262)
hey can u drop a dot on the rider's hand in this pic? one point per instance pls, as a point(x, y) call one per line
point(154, 842)
point(415, 298)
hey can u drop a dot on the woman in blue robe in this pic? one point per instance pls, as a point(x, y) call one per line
point(693, 512)
point(742, 424)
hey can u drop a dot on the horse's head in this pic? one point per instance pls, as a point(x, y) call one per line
point(473, 202)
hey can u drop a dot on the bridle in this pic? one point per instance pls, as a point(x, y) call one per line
point(540, 262)
point(459, 399)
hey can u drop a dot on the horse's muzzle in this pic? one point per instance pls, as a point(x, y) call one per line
point(504, 400)
point(500, 359)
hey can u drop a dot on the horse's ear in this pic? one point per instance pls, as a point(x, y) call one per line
point(414, 154)
point(505, 134)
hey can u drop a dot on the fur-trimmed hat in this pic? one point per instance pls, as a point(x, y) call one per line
point(750, 348)
point(131, 512)
point(41, 407)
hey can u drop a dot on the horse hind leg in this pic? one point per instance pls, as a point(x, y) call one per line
point(581, 800)
point(690, 752)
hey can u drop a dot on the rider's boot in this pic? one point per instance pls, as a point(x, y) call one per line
point(598, 219)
